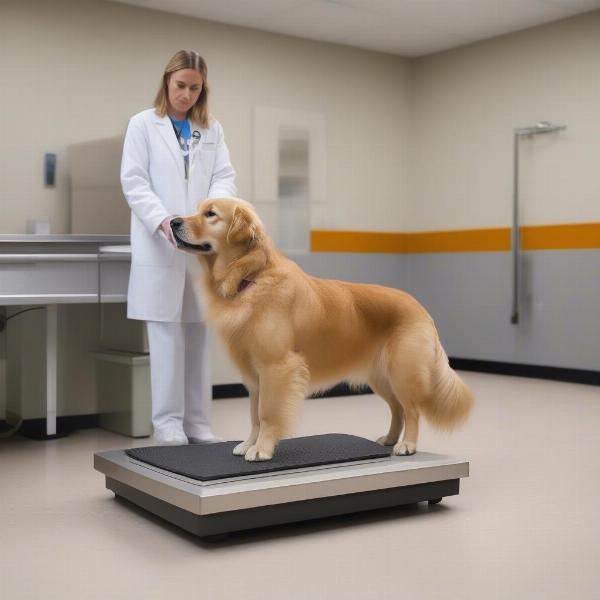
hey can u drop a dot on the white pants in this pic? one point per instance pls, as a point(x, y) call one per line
point(180, 377)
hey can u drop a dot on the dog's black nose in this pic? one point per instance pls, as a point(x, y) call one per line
point(176, 222)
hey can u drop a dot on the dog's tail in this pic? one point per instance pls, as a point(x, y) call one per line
point(450, 401)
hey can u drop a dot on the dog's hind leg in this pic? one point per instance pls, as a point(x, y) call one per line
point(282, 390)
point(408, 369)
point(382, 388)
point(409, 390)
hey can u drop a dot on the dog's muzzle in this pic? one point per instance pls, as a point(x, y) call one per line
point(178, 232)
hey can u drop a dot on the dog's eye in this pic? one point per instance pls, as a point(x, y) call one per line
point(210, 213)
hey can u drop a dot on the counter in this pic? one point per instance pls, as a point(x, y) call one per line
point(61, 269)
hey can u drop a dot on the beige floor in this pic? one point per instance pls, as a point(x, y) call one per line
point(525, 525)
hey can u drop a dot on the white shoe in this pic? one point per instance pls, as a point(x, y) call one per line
point(170, 436)
point(208, 438)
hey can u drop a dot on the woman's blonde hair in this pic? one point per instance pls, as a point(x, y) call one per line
point(185, 59)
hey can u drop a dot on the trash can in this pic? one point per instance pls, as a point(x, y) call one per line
point(123, 392)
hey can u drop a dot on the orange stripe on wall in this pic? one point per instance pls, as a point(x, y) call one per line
point(356, 241)
point(539, 237)
point(561, 237)
point(462, 240)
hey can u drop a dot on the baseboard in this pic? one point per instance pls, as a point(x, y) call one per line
point(229, 390)
point(522, 370)
point(344, 389)
point(237, 390)
point(36, 428)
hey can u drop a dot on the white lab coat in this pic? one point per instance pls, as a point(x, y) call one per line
point(164, 280)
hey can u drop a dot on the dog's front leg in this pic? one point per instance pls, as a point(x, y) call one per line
point(283, 387)
point(242, 447)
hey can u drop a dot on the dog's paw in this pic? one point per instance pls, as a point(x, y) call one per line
point(384, 440)
point(405, 448)
point(242, 448)
point(255, 454)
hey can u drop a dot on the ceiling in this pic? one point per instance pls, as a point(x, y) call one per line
point(408, 28)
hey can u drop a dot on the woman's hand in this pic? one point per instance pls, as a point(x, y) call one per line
point(165, 227)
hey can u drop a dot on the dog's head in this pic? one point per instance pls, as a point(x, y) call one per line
point(217, 226)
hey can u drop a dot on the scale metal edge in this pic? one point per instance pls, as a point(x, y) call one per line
point(210, 497)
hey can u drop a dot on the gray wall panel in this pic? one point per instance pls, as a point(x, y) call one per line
point(383, 269)
point(563, 308)
point(469, 296)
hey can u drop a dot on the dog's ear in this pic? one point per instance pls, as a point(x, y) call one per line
point(243, 227)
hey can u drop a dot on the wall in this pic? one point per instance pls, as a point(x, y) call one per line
point(468, 101)
point(466, 104)
point(76, 70)
point(419, 145)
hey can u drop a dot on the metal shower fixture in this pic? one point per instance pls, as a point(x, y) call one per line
point(540, 127)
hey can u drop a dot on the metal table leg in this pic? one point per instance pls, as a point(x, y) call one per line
point(51, 367)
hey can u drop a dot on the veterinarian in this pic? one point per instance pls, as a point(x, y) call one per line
point(174, 156)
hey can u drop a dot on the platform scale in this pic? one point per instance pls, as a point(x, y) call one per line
point(208, 491)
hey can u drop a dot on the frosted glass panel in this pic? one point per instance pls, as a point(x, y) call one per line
point(293, 228)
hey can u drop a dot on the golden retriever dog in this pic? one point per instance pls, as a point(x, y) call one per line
point(291, 334)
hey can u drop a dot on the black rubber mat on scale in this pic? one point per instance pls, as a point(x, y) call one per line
point(216, 461)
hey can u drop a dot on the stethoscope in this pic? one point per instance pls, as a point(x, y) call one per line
point(191, 149)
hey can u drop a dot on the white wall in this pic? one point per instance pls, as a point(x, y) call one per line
point(411, 145)
point(76, 70)
point(427, 143)
point(466, 104)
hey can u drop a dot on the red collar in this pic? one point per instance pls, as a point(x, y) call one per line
point(244, 283)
